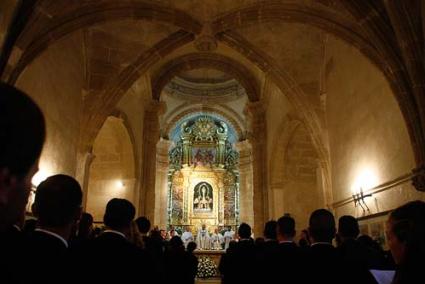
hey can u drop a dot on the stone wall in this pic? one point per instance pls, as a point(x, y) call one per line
point(112, 172)
point(55, 81)
point(369, 143)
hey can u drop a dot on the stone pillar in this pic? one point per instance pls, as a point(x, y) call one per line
point(255, 113)
point(82, 173)
point(161, 182)
point(187, 150)
point(150, 139)
point(246, 194)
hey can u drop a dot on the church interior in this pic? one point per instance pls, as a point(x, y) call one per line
point(219, 113)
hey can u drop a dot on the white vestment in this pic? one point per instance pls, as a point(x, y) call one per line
point(203, 239)
point(216, 241)
point(187, 237)
point(228, 236)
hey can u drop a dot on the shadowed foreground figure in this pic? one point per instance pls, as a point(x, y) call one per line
point(57, 206)
point(406, 239)
point(22, 135)
point(111, 256)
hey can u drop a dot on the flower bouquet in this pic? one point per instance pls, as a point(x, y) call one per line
point(206, 268)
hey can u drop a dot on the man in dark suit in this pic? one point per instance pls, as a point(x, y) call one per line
point(57, 205)
point(289, 254)
point(22, 135)
point(240, 264)
point(356, 257)
point(267, 253)
point(323, 264)
point(111, 257)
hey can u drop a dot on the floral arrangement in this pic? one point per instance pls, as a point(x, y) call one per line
point(206, 267)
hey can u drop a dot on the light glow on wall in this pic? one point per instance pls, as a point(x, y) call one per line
point(365, 179)
point(120, 184)
point(39, 177)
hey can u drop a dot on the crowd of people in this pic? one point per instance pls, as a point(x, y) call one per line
point(61, 247)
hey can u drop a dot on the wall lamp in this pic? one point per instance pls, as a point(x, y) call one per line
point(359, 197)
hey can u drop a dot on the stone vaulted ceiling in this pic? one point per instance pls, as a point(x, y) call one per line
point(278, 40)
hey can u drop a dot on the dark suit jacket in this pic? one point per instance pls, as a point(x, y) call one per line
point(47, 259)
point(240, 263)
point(323, 264)
point(358, 259)
point(12, 250)
point(111, 257)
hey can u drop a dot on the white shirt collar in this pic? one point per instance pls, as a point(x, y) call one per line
point(17, 228)
point(115, 232)
point(321, 243)
point(285, 242)
point(54, 235)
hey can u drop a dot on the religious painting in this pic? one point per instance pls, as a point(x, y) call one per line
point(203, 197)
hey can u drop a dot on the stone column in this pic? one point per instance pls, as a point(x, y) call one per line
point(246, 194)
point(255, 113)
point(82, 173)
point(151, 133)
point(161, 182)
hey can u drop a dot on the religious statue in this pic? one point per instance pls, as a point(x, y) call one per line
point(202, 199)
point(203, 238)
point(217, 240)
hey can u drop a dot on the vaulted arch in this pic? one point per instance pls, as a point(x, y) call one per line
point(205, 60)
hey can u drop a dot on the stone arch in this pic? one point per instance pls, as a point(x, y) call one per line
point(112, 172)
point(295, 168)
point(92, 13)
point(205, 60)
point(371, 38)
point(126, 123)
point(124, 80)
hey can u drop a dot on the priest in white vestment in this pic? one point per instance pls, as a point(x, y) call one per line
point(217, 240)
point(187, 236)
point(203, 238)
point(228, 236)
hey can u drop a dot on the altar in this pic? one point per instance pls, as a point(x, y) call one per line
point(203, 178)
point(214, 255)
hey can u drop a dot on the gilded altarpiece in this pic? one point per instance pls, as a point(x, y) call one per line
point(203, 176)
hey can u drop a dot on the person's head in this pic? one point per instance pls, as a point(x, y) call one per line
point(216, 230)
point(143, 224)
point(163, 234)
point(191, 246)
point(57, 202)
point(406, 233)
point(29, 226)
point(322, 226)
point(285, 228)
point(176, 243)
point(187, 229)
point(259, 241)
point(270, 230)
point(85, 226)
point(203, 226)
point(118, 214)
point(22, 135)
point(304, 238)
point(348, 227)
point(244, 231)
